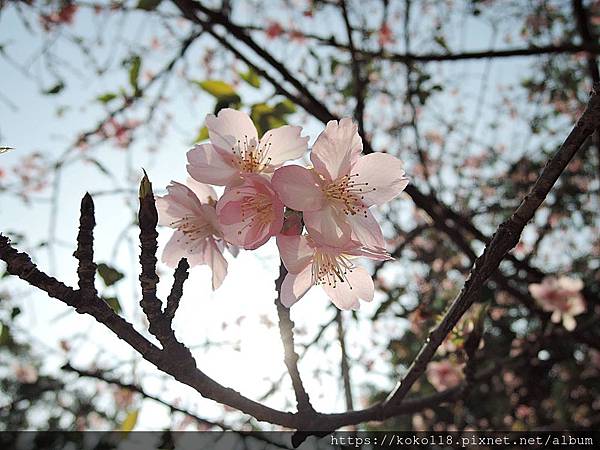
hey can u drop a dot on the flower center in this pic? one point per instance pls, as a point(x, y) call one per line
point(257, 210)
point(348, 193)
point(193, 228)
point(252, 157)
point(330, 269)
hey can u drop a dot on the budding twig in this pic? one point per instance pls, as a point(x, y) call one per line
point(85, 249)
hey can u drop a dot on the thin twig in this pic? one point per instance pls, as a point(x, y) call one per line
point(286, 330)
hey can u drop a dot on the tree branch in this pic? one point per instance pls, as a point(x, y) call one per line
point(286, 330)
point(506, 237)
point(344, 365)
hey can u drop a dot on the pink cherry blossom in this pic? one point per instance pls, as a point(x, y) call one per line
point(444, 374)
point(249, 214)
point(335, 195)
point(561, 296)
point(312, 263)
point(190, 210)
point(235, 150)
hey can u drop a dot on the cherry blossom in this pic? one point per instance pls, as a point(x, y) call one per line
point(310, 263)
point(190, 210)
point(336, 194)
point(249, 214)
point(235, 150)
point(561, 296)
point(444, 374)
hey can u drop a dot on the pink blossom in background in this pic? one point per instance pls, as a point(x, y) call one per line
point(335, 195)
point(25, 373)
point(249, 214)
point(561, 296)
point(190, 210)
point(444, 374)
point(235, 151)
point(312, 263)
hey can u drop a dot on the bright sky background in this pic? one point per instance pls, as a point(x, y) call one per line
point(247, 292)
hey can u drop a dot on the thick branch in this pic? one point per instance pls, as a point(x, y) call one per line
point(505, 238)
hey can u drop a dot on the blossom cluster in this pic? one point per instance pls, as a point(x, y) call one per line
point(320, 215)
point(562, 297)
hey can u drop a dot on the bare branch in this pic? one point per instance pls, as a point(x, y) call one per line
point(286, 330)
point(181, 274)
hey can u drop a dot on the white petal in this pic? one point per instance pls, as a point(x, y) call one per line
point(284, 144)
point(294, 286)
point(230, 127)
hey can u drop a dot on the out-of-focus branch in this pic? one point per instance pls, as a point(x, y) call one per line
point(505, 238)
point(410, 58)
point(359, 82)
point(344, 365)
point(102, 376)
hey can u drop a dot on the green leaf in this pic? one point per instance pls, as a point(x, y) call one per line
point(15, 312)
point(109, 274)
point(57, 88)
point(285, 107)
point(222, 91)
point(135, 64)
point(130, 421)
point(441, 41)
point(5, 335)
point(267, 117)
point(148, 5)
point(202, 135)
point(251, 77)
point(106, 98)
point(114, 303)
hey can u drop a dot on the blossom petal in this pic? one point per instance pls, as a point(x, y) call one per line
point(217, 263)
point(180, 201)
point(294, 287)
point(570, 284)
point(295, 252)
point(206, 165)
point(569, 322)
point(366, 230)
point(336, 148)
point(284, 144)
point(250, 214)
point(328, 226)
point(180, 246)
point(297, 188)
point(230, 127)
point(382, 175)
point(345, 295)
point(204, 192)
